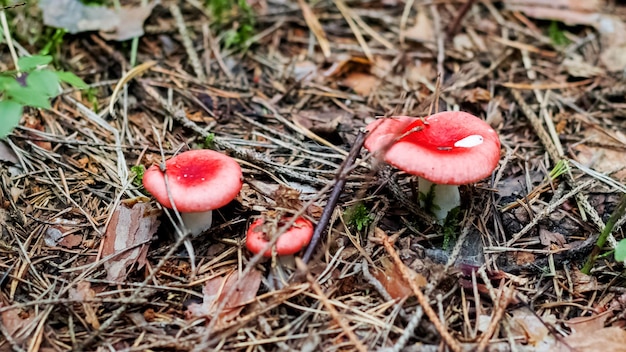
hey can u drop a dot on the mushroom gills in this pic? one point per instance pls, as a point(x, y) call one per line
point(444, 199)
point(197, 223)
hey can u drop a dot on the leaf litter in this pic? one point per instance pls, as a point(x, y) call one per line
point(289, 107)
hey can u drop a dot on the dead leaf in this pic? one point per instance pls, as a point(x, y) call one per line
point(215, 291)
point(323, 121)
point(7, 154)
point(603, 340)
point(476, 95)
point(75, 17)
point(71, 241)
point(589, 324)
point(83, 292)
point(423, 30)
point(603, 151)
point(575, 66)
point(392, 280)
point(582, 12)
point(548, 237)
point(525, 323)
point(522, 258)
point(14, 321)
point(127, 236)
point(305, 71)
point(583, 282)
point(361, 83)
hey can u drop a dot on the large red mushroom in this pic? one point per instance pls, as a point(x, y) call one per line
point(198, 182)
point(444, 150)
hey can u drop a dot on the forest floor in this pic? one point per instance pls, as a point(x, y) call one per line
point(285, 87)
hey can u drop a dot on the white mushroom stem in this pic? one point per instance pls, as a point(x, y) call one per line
point(446, 198)
point(197, 223)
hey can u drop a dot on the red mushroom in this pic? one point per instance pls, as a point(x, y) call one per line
point(290, 242)
point(445, 150)
point(199, 181)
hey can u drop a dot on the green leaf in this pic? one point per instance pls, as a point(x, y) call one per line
point(10, 115)
point(6, 82)
point(620, 251)
point(28, 63)
point(28, 96)
point(72, 79)
point(44, 81)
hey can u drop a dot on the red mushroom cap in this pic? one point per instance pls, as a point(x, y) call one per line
point(199, 180)
point(290, 242)
point(451, 147)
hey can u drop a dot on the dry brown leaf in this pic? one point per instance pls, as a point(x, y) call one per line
point(71, 241)
point(215, 291)
point(423, 29)
point(392, 280)
point(603, 151)
point(83, 292)
point(583, 282)
point(127, 236)
point(476, 95)
point(525, 323)
point(522, 258)
point(361, 83)
point(324, 121)
point(7, 154)
point(603, 340)
point(582, 12)
point(75, 17)
point(589, 324)
point(548, 237)
point(14, 320)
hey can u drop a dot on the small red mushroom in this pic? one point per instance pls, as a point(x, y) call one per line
point(445, 150)
point(199, 181)
point(292, 241)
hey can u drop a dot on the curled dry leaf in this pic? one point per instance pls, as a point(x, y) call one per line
point(127, 237)
point(391, 279)
point(583, 282)
point(15, 321)
point(75, 17)
point(533, 328)
point(589, 324)
point(361, 83)
point(582, 12)
point(603, 340)
point(215, 291)
point(83, 292)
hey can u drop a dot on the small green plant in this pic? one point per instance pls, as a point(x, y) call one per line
point(559, 169)
point(429, 200)
point(209, 141)
point(451, 227)
point(33, 85)
point(53, 39)
point(557, 34)
point(620, 251)
point(138, 171)
point(240, 14)
point(358, 216)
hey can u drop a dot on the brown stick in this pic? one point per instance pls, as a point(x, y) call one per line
point(421, 299)
point(331, 308)
point(506, 296)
